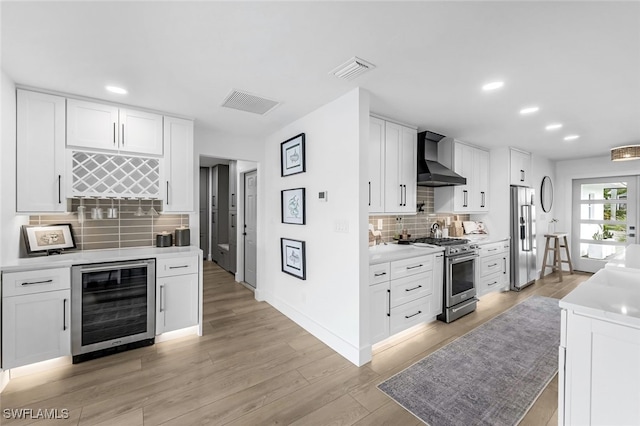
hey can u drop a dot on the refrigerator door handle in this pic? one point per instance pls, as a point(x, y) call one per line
point(525, 227)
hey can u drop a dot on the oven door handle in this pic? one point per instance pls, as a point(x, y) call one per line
point(114, 267)
point(454, 260)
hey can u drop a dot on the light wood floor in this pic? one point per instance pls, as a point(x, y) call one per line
point(253, 366)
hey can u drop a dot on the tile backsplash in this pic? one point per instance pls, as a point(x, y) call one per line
point(417, 225)
point(127, 230)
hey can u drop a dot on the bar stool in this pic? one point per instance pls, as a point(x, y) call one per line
point(557, 261)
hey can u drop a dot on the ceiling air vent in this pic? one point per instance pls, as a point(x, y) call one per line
point(244, 101)
point(352, 68)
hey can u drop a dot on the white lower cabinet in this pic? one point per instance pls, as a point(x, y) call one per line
point(492, 268)
point(35, 316)
point(379, 311)
point(402, 294)
point(599, 373)
point(176, 294)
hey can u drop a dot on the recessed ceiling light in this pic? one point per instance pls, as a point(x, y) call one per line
point(116, 89)
point(555, 126)
point(493, 85)
point(529, 110)
point(571, 137)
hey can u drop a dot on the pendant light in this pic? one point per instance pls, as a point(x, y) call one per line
point(624, 153)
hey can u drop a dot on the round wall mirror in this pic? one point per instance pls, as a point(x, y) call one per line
point(546, 194)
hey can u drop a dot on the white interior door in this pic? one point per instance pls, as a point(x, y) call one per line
point(250, 224)
point(604, 219)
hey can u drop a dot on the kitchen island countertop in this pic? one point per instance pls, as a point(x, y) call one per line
point(389, 252)
point(96, 256)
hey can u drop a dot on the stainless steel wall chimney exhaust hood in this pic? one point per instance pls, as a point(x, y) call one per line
point(430, 172)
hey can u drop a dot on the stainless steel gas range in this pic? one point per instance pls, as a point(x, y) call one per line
point(459, 295)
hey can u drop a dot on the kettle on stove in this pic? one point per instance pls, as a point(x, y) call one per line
point(436, 232)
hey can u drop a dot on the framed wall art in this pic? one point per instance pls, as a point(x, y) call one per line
point(48, 238)
point(293, 258)
point(293, 206)
point(292, 159)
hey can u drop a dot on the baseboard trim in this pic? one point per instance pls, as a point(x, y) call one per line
point(355, 355)
point(4, 380)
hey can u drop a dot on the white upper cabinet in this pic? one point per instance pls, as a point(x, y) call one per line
point(40, 160)
point(392, 167)
point(520, 163)
point(471, 163)
point(376, 165)
point(140, 132)
point(179, 169)
point(98, 126)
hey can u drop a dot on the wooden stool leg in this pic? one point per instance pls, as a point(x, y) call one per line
point(566, 247)
point(557, 262)
point(544, 260)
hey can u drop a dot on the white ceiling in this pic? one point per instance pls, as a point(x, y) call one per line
point(578, 61)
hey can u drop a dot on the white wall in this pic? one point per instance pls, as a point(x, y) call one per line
point(329, 303)
point(594, 167)
point(541, 167)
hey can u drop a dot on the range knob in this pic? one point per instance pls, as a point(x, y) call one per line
point(453, 250)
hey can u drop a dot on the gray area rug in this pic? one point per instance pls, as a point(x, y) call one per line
point(491, 375)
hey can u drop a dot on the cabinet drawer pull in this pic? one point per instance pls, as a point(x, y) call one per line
point(493, 249)
point(492, 265)
point(414, 288)
point(380, 274)
point(64, 314)
point(178, 267)
point(414, 267)
point(409, 316)
point(161, 298)
point(37, 282)
point(493, 283)
point(388, 302)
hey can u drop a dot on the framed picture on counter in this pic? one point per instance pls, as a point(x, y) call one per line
point(293, 206)
point(292, 159)
point(293, 258)
point(48, 238)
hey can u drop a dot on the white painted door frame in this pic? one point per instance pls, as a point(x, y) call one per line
point(591, 213)
point(249, 230)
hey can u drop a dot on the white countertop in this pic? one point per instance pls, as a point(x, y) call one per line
point(611, 293)
point(97, 256)
point(630, 258)
point(481, 239)
point(392, 251)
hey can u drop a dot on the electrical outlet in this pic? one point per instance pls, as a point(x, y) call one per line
point(379, 224)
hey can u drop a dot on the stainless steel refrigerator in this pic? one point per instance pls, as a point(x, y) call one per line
point(523, 237)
